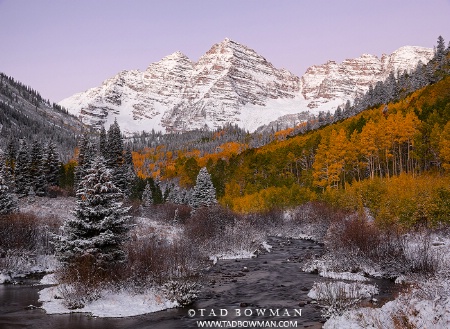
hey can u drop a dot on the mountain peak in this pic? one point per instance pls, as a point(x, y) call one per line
point(178, 55)
point(226, 41)
point(231, 83)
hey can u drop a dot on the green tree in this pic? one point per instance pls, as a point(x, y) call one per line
point(100, 224)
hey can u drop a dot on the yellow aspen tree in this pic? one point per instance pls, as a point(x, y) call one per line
point(444, 147)
point(321, 164)
point(368, 147)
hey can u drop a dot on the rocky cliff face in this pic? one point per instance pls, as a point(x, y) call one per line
point(331, 81)
point(231, 83)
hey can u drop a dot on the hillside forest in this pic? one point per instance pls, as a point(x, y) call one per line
point(392, 158)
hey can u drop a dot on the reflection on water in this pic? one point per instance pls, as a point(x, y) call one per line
point(271, 281)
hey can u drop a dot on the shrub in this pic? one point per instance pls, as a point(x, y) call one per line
point(207, 223)
point(168, 212)
point(81, 281)
point(153, 260)
point(391, 247)
point(26, 231)
point(338, 297)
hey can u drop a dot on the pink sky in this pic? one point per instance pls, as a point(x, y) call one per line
point(62, 47)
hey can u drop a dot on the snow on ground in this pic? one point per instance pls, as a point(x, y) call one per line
point(344, 276)
point(45, 207)
point(49, 279)
point(111, 304)
point(122, 303)
point(426, 304)
point(4, 278)
point(235, 254)
point(50, 212)
point(239, 253)
point(425, 307)
point(339, 289)
point(267, 247)
point(146, 226)
point(337, 264)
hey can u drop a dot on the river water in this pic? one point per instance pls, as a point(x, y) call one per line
point(239, 290)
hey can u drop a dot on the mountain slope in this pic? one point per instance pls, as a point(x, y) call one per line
point(231, 83)
point(25, 114)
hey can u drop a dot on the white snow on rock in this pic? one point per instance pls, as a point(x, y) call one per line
point(344, 276)
point(111, 304)
point(49, 279)
point(5, 278)
point(426, 304)
point(267, 247)
point(337, 289)
point(426, 307)
point(232, 254)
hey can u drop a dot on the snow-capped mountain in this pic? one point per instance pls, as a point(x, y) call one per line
point(332, 81)
point(231, 83)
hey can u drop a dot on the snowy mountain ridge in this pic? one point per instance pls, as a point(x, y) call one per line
point(230, 83)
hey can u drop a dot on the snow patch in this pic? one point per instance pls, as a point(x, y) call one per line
point(236, 254)
point(339, 289)
point(49, 279)
point(267, 247)
point(5, 278)
point(343, 276)
point(111, 304)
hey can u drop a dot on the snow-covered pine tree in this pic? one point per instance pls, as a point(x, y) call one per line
point(100, 223)
point(51, 165)
point(103, 148)
point(85, 157)
point(37, 174)
point(115, 158)
point(147, 196)
point(10, 155)
point(440, 52)
point(204, 193)
point(175, 195)
point(158, 194)
point(114, 146)
point(338, 114)
point(8, 203)
point(346, 110)
point(21, 170)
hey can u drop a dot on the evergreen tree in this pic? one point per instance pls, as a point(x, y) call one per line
point(103, 147)
point(85, 156)
point(418, 77)
point(338, 114)
point(391, 88)
point(10, 155)
point(440, 51)
point(36, 169)
point(21, 170)
point(8, 203)
point(100, 224)
point(114, 146)
point(347, 109)
point(147, 196)
point(52, 165)
point(158, 195)
point(174, 194)
point(115, 158)
point(204, 193)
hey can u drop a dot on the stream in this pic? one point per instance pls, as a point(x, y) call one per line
point(235, 290)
